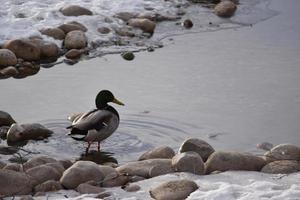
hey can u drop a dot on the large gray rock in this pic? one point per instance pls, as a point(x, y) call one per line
point(225, 9)
point(188, 162)
point(282, 167)
point(197, 145)
point(43, 173)
point(86, 188)
point(143, 168)
point(55, 33)
point(24, 132)
point(81, 172)
point(75, 40)
point(283, 152)
point(224, 161)
point(158, 152)
point(6, 119)
point(14, 183)
point(48, 186)
point(175, 190)
point(7, 58)
point(145, 25)
point(24, 49)
point(33, 162)
point(74, 10)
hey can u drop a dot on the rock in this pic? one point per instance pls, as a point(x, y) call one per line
point(125, 16)
point(188, 23)
point(27, 69)
point(224, 161)
point(142, 168)
point(74, 53)
point(265, 146)
point(14, 167)
point(66, 28)
point(103, 30)
point(14, 183)
point(136, 178)
point(283, 152)
point(7, 58)
point(175, 190)
point(55, 33)
point(74, 10)
point(108, 171)
point(158, 152)
point(128, 55)
point(26, 197)
point(37, 161)
point(82, 27)
point(24, 132)
point(118, 180)
point(81, 172)
point(125, 32)
point(48, 49)
point(3, 132)
point(103, 195)
point(225, 9)
point(188, 162)
point(57, 166)
point(43, 173)
point(6, 119)
point(85, 188)
point(66, 163)
point(199, 146)
point(282, 167)
point(145, 25)
point(75, 40)
point(48, 186)
point(8, 72)
point(233, 1)
point(111, 164)
point(132, 188)
point(24, 49)
point(2, 164)
point(157, 170)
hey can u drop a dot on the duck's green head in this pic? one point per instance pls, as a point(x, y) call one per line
point(104, 97)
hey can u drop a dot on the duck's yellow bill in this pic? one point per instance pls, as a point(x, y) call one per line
point(116, 101)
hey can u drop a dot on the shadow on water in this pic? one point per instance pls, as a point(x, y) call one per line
point(98, 157)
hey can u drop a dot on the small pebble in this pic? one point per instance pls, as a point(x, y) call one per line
point(128, 55)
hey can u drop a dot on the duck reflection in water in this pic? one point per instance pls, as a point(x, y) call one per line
point(98, 157)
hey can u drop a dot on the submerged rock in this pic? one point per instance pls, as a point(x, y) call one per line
point(74, 10)
point(188, 162)
point(175, 190)
point(224, 161)
point(197, 145)
point(75, 40)
point(131, 188)
point(283, 152)
point(81, 172)
point(7, 58)
point(6, 119)
point(24, 132)
point(103, 30)
point(145, 25)
point(55, 33)
point(158, 152)
point(282, 167)
point(225, 9)
point(24, 49)
point(14, 183)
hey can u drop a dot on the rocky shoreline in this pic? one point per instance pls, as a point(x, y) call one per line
point(23, 57)
point(41, 174)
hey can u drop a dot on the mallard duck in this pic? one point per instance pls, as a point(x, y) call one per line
point(98, 124)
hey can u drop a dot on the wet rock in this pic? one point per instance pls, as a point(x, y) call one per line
point(83, 28)
point(107, 170)
point(225, 9)
point(75, 40)
point(7, 58)
point(128, 55)
point(57, 166)
point(8, 72)
point(3, 132)
point(81, 172)
point(103, 195)
point(145, 25)
point(188, 162)
point(48, 49)
point(199, 146)
point(233, 1)
point(85, 188)
point(24, 132)
point(142, 168)
point(158, 170)
point(27, 69)
point(115, 180)
point(265, 146)
point(74, 10)
point(2, 164)
point(66, 163)
point(283, 152)
point(111, 164)
point(43, 173)
point(188, 23)
point(26, 197)
point(40, 194)
point(282, 167)
point(14, 183)
point(74, 53)
point(158, 152)
point(48, 186)
point(6, 119)
point(14, 167)
point(125, 32)
point(136, 178)
point(103, 30)
point(224, 161)
point(125, 16)
point(24, 49)
point(132, 188)
point(175, 190)
point(66, 28)
point(55, 33)
point(37, 161)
